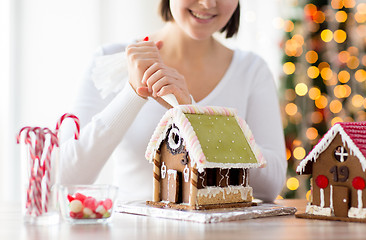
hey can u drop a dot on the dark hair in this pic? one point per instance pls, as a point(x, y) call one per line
point(231, 28)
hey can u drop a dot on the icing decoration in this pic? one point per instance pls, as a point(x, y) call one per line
point(316, 210)
point(359, 198)
point(352, 133)
point(186, 173)
point(163, 171)
point(331, 198)
point(184, 160)
point(212, 192)
point(222, 177)
point(202, 177)
point(203, 146)
point(322, 197)
point(340, 153)
point(321, 181)
point(175, 142)
point(358, 183)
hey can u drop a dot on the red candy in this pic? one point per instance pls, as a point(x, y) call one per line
point(358, 183)
point(80, 197)
point(107, 204)
point(76, 215)
point(70, 198)
point(92, 204)
point(322, 181)
point(146, 39)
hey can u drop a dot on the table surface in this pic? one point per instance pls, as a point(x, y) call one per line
point(127, 226)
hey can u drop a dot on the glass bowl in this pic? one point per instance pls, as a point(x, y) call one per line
point(87, 204)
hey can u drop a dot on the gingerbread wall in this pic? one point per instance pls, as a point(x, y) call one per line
point(339, 174)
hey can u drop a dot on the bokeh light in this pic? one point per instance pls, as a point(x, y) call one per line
point(357, 101)
point(314, 93)
point(312, 133)
point(313, 72)
point(289, 68)
point(299, 153)
point(301, 89)
point(326, 73)
point(337, 4)
point(342, 91)
point(344, 76)
point(349, 3)
point(335, 120)
point(288, 26)
point(326, 35)
point(316, 117)
point(341, 16)
point(291, 109)
point(292, 183)
point(321, 102)
point(344, 56)
point(311, 56)
point(335, 106)
point(353, 62)
point(360, 75)
point(340, 36)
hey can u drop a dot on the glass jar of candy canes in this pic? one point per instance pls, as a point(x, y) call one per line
point(39, 160)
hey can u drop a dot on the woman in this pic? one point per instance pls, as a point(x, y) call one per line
point(183, 58)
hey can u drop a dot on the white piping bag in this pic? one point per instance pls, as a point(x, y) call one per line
point(170, 99)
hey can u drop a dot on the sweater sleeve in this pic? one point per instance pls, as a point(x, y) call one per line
point(263, 117)
point(103, 125)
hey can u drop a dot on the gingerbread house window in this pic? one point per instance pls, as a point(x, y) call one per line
point(340, 154)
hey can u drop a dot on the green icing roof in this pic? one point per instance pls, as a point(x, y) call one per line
point(221, 138)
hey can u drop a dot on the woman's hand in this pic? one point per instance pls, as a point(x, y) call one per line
point(141, 56)
point(161, 80)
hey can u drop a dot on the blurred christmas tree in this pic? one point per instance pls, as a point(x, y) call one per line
point(324, 77)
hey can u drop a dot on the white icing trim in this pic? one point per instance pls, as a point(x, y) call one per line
point(322, 198)
point(331, 198)
point(186, 173)
point(316, 210)
point(357, 212)
point(324, 144)
point(210, 192)
point(359, 198)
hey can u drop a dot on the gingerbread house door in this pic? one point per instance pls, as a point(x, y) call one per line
point(341, 201)
point(173, 186)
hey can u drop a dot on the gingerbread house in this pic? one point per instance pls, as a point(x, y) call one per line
point(338, 164)
point(201, 157)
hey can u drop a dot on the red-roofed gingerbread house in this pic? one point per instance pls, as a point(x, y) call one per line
point(338, 164)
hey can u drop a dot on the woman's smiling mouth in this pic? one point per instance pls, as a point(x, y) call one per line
point(201, 15)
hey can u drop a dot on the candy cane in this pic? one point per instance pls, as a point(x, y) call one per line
point(76, 120)
point(47, 165)
point(41, 169)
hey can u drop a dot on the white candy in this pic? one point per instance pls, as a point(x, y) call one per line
point(100, 209)
point(76, 206)
point(87, 211)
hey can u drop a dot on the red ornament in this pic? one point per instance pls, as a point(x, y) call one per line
point(358, 183)
point(322, 181)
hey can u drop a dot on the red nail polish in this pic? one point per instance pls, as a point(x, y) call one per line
point(146, 39)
